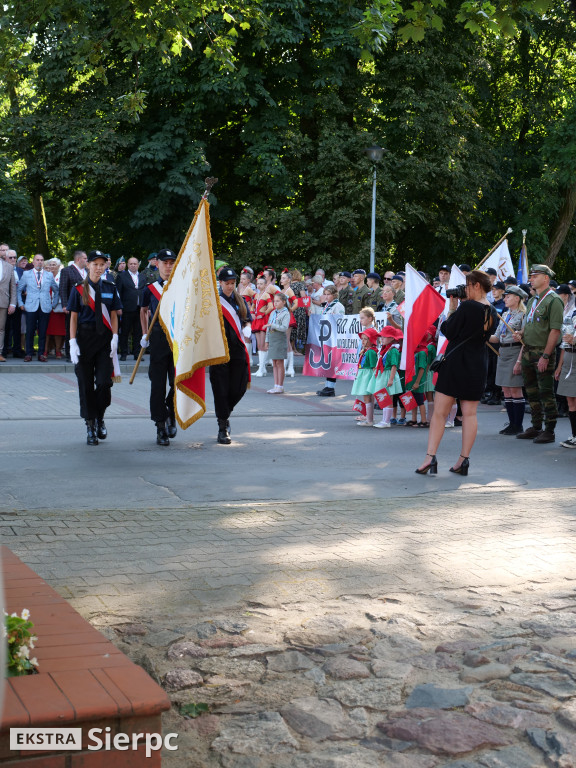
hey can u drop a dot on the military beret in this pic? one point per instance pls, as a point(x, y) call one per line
point(93, 255)
point(227, 273)
point(121, 260)
point(398, 277)
point(346, 274)
point(359, 272)
point(374, 276)
point(542, 269)
point(152, 256)
point(511, 280)
point(517, 291)
point(491, 271)
point(166, 255)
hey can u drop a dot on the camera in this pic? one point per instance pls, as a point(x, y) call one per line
point(459, 292)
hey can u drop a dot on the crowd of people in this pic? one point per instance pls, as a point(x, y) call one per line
point(521, 356)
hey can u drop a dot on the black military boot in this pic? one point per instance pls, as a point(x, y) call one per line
point(161, 434)
point(91, 436)
point(171, 426)
point(223, 436)
point(101, 430)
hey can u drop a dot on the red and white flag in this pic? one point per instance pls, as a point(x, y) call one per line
point(383, 399)
point(422, 306)
point(360, 406)
point(457, 277)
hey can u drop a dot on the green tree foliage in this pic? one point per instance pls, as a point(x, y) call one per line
point(112, 114)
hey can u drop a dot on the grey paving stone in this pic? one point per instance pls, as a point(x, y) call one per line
point(554, 683)
point(321, 720)
point(430, 696)
point(290, 661)
point(261, 734)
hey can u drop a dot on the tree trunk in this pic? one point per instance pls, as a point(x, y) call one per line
point(565, 218)
point(40, 227)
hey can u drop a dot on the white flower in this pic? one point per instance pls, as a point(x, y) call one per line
point(34, 661)
point(25, 614)
point(31, 641)
point(4, 631)
point(23, 652)
point(12, 615)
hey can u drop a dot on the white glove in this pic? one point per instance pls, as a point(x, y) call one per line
point(114, 344)
point(247, 331)
point(74, 351)
point(144, 341)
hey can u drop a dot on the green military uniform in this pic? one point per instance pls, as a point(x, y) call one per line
point(399, 296)
point(151, 274)
point(374, 298)
point(543, 314)
point(354, 299)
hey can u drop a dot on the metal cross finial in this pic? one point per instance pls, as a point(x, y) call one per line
point(524, 233)
point(210, 182)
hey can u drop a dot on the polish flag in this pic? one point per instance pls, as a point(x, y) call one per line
point(457, 277)
point(422, 306)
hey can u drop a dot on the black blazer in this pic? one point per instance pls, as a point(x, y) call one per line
point(130, 296)
point(69, 278)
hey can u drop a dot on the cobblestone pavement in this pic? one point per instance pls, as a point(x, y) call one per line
point(434, 631)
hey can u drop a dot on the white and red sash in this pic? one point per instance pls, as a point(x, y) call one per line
point(232, 316)
point(156, 289)
point(107, 322)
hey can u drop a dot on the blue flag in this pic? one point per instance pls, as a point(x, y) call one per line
point(522, 271)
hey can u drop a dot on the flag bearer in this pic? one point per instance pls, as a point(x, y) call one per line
point(161, 370)
point(230, 380)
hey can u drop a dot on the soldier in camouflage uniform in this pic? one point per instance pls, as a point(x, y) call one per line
point(355, 296)
point(151, 272)
point(540, 334)
point(375, 298)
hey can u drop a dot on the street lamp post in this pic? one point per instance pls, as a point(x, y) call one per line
point(375, 154)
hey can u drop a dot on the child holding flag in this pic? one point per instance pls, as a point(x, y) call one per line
point(386, 377)
point(366, 365)
point(418, 385)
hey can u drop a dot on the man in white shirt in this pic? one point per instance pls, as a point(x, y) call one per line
point(323, 276)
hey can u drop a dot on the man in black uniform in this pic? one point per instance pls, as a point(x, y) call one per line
point(230, 380)
point(161, 359)
point(130, 285)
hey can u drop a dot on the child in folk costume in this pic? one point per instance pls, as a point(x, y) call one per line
point(277, 340)
point(366, 365)
point(430, 341)
point(418, 385)
point(366, 318)
point(386, 373)
point(262, 306)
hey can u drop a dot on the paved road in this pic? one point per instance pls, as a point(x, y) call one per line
point(295, 447)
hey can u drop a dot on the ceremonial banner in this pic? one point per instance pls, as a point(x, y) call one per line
point(191, 316)
point(423, 305)
point(333, 344)
point(501, 261)
point(522, 274)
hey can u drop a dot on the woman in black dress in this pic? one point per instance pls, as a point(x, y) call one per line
point(463, 373)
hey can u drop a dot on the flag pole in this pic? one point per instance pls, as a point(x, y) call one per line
point(524, 233)
point(491, 251)
point(143, 349)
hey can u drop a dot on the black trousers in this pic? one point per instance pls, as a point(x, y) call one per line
point(229, 382)
point(161, 370)
point(94, 371)
point(130, 326)
point(37, 319)
point(13, 337)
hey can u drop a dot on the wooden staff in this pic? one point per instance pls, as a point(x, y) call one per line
point(143, 349)
point(491, 251)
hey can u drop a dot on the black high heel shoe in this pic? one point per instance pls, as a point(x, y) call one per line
point(463, 468)
point(432, 467)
